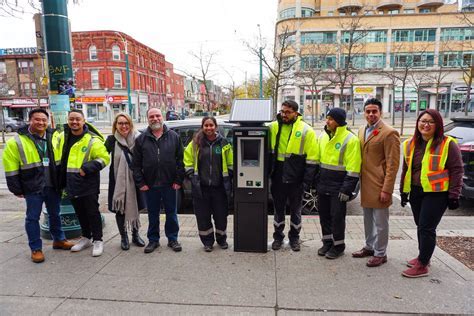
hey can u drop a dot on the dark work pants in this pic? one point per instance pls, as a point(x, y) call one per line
point(286, 195)
point(87, 211)
point(332, 217)
point(427, 208)
point(212, 204)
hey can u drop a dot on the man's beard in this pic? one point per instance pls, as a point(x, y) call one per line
point(156, 126)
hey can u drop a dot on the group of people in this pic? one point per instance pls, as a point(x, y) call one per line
point(147, 171)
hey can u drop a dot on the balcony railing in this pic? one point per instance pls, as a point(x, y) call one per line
point(430, 3)
point(349, 4)
point(386, 4)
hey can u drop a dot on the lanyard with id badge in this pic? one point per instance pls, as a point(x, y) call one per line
point(43, 152)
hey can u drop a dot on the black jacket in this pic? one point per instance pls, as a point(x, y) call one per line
point(33, 180)
point(210, 161)
point(110, 145)
point(158, 162)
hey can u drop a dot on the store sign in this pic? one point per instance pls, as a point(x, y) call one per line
point(364, 91)
point(90, 100)
point(23, 102)
point(117, 98)
point(18, 51)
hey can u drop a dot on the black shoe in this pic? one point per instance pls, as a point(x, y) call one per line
point(208, 248)
point(124, 243)
point(276, 244)
point(137, 240)
point(325, 248)
point(335, 252)
point(152, 245)
point(175, 245)
point(295, 245)
point(223, 245)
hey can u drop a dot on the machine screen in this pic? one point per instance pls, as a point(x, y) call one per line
point(250, 152)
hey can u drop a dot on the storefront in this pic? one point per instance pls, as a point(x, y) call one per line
point(19, 107)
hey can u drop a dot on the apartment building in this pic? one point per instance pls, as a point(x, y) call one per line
point(380, 40)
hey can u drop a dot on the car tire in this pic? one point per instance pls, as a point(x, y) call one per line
point(9, 129)
point(310, 203)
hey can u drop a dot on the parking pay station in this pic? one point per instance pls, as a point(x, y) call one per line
point(251, 158)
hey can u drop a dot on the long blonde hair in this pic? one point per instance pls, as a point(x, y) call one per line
point(127, 117)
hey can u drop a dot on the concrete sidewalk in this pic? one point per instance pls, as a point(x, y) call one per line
point(226, 282)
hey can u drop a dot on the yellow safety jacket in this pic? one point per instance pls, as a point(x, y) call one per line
point(191, 162)
point(24, 168)
point(340, 160)
point(294, 145)
point(90, 155)
point(433, 177)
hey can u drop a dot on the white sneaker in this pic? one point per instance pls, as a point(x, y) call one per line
point(83, 243)
point(98, 248)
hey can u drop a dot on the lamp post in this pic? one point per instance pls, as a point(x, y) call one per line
point(127, 69)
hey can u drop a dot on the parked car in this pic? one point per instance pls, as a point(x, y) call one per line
point(186, 130)
point(462, 129)
point(172, 116)
point(11, 124)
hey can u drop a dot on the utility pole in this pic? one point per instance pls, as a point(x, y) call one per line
point(127, 70)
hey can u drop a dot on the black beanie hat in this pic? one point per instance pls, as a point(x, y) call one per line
point(339, 115)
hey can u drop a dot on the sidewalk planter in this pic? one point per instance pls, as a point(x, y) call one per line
point(69, 221)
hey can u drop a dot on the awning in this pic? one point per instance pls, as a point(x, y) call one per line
point(441, 90)
point(338, 91)
point(27, 105)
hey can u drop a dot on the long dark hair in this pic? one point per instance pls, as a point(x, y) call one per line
point(199, 135)
point(439, 131)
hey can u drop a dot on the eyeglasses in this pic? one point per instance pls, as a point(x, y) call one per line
point(430, 123)
point(286, 112)
point(123, 123)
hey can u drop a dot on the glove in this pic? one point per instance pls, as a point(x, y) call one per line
point(343, 197)
point(453, 204)
point(404, 197)
point(189, 173)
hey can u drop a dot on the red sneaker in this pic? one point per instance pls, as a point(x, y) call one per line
point(417, 271)
point(413, 262)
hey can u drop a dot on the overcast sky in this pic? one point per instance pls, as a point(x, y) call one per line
point(173, 28)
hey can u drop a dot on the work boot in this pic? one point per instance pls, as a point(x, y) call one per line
point(223, 244)
point(327, 244)
point(62, 244)
point(276, 244)
point(175, 245)
point(124, 243)
point(335, 251)
point(152, 245)
point(295, 245)
point(208, 248)
point(136, 239)
point(37, 256)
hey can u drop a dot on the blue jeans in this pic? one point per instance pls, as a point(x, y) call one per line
point(34, 205)
point(154, 197)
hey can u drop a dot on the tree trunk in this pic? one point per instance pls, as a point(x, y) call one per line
point(418, 93)
point(353, 105)
point(393, 105)
point(403, 109)
point(312, 107)
point(468, 93)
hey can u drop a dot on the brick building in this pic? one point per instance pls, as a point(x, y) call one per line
point(174, 89)
point(22, 81)
point(101, 75)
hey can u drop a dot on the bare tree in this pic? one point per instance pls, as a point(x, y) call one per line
point(279, 60)
point(205, 61)
point(419, 80)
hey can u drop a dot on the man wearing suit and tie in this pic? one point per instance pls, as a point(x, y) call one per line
point(380, 148)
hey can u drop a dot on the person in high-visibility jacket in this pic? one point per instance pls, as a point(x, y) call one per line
point(294, 154)
point(208, 161)
point(30, 162)
point(431, 181)
point(83, 155)
point(340, 161)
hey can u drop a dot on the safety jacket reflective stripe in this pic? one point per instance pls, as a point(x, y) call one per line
point(341, 152)
point(433, 177)
point(191, 161)
point(301, 141)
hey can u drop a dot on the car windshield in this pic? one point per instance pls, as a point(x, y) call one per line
point(463, 134)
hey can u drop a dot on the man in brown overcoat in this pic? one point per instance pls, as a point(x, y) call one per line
point(380, 147)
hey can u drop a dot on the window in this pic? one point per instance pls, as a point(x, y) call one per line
point(93, 52)
point(318, 37)
point(409, 11)
point(115, 52)
point(117, 79)
point(330, 13)
point(95, 79)
point(369, 61)
point(288, 63)
point(425, 10)
point(288, 13)
point(415, 60)
point(365, 37)
point(3, 68)
point(368, 12)
point(342, 13)
point(289, 39)
point(307, 12)
point(318, 62)
point(457, 34)
point(395, 11)
point(416, 35)
point(26, 67)
point(456, 59)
